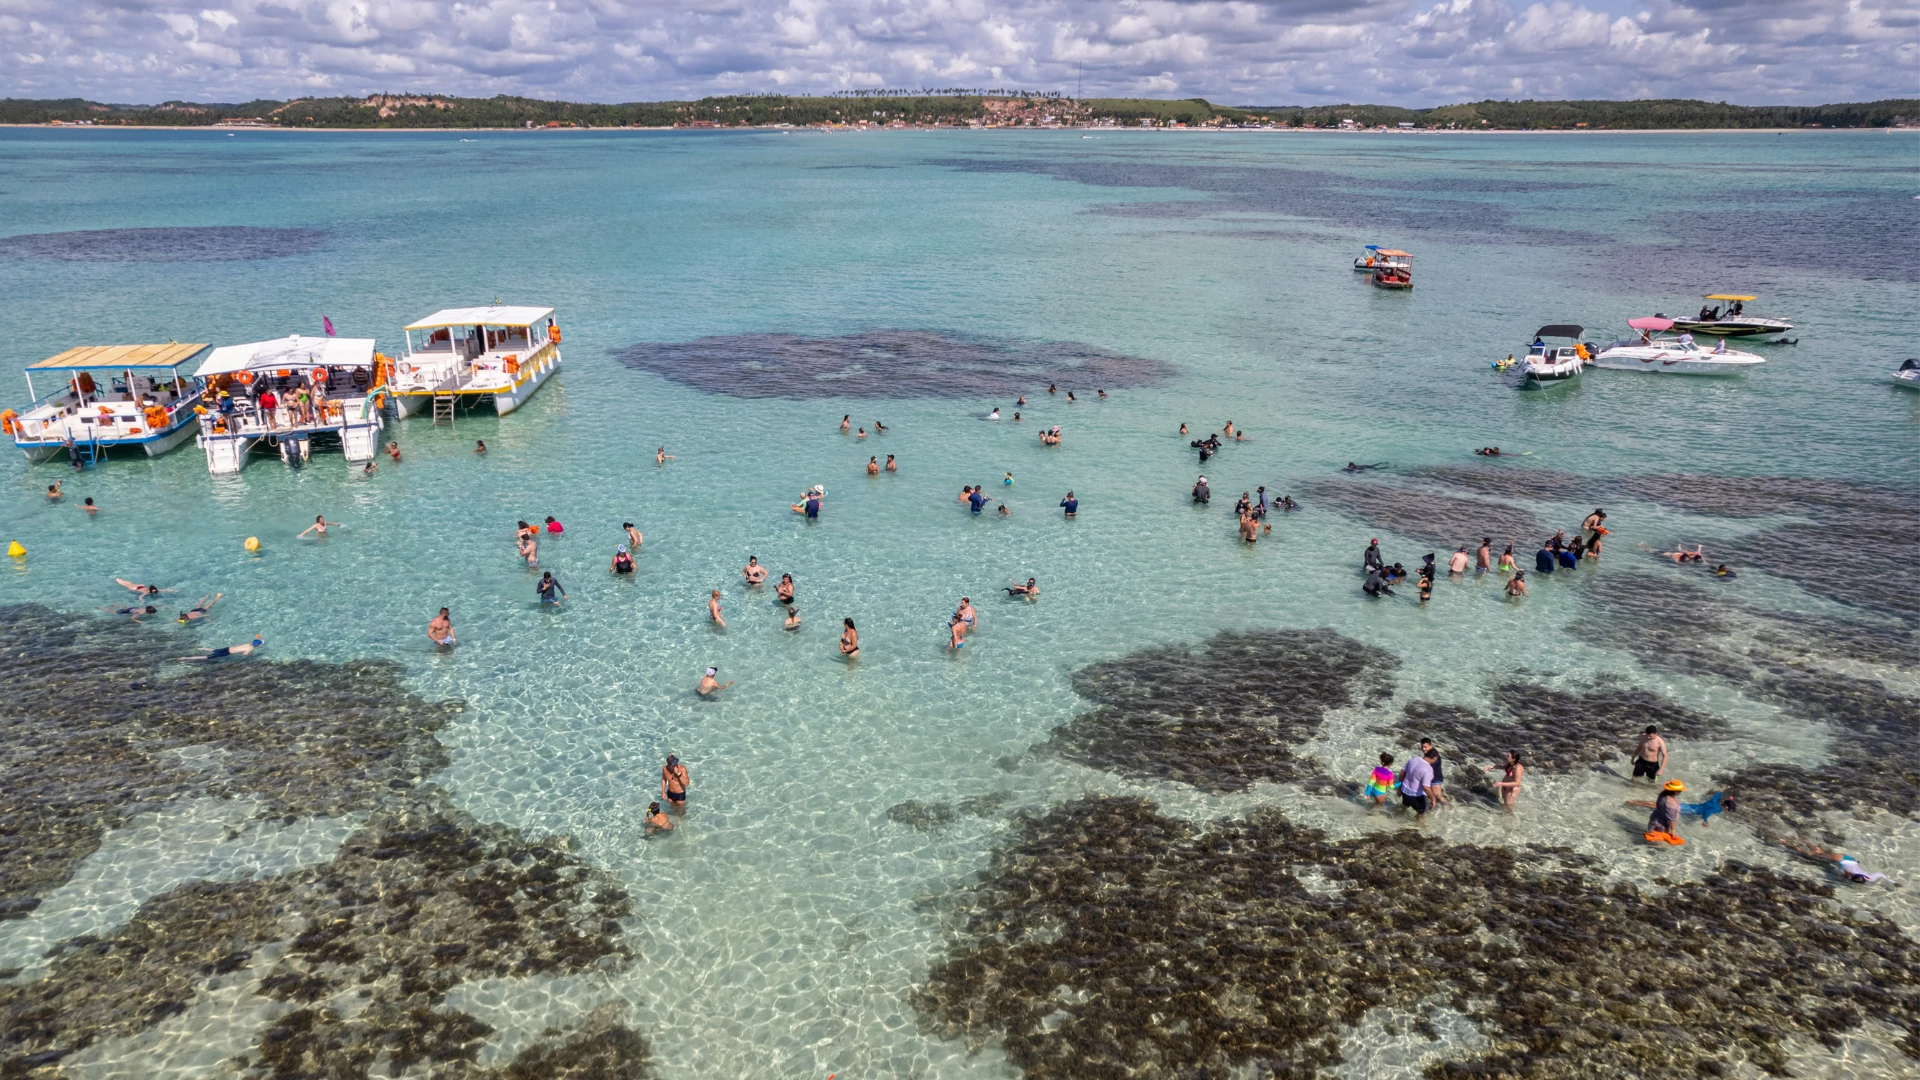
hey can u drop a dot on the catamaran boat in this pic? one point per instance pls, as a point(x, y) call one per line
point(114, 396)
point(1378, 258)
point(1908, 374)
point(1670, 355)
point(472, 355)
point(1555, 365)
point(285, 394)
point(1734, 322)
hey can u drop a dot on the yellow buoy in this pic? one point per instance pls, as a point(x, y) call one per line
point(14, 549)
point(253, 543)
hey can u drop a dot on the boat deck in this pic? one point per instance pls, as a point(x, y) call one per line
point(504, 364)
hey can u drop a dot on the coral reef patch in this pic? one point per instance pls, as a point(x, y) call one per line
point(1108, 941)
point(210, 243)
point(1555, 730)
point(886, 364)
point(1427, 515)
point(1224, 715)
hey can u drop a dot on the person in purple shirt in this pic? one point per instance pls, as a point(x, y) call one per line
point(1413, 785)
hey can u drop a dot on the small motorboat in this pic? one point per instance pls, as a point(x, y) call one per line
point(1733, 322)
point(1547, 365)
point(1908, 375)
point(1378, 257)
point(1671, 355)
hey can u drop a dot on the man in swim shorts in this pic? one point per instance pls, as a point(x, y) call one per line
point(1650, 757)
point(227, 650)
point(673, 784)
point(440, 630)
point(1436, 796)
point(1413, 787)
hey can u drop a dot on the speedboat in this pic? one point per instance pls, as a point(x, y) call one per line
point(1671, 355)
point(1734, 322)
point(1554, 365)
point(1908, 375)
point(139, 400)
point(497, 355)
point(1378, 257)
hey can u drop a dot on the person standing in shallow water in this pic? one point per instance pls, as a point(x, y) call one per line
point(1508, 786)
point(1413, 787)
point(440, 630)
point(673, 784)
point(1650, 757)
point(849, 641)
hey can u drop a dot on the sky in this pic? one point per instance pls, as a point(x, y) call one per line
point(1247, 52)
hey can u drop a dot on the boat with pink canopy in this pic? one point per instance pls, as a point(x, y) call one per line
point(1656, 351)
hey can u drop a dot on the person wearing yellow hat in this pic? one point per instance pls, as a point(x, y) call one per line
point(1666, 814)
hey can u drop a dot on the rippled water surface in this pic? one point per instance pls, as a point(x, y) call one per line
point(730, 297)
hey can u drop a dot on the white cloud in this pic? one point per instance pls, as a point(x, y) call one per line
point(1416, 52)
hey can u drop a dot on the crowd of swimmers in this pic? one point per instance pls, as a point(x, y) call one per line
point(1556, 552)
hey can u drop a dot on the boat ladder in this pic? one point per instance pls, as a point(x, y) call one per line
point(442, 408)
point(87, 454)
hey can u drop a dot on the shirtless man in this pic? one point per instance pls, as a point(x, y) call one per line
point(226, 651)
point(1030, 590)
point(753, 571)
point(873, 466)
point(53, 491)
point(87, 505)
point(657, 822)
point(708, 686)
point(673, 784)
point(1650, 757)
point(440, 630)
point(318, 528)
point(1483, 559)
point(1457, 563)
point(891, 467)
point(713, 610)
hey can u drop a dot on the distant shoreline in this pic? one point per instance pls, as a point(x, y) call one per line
point(874, 130)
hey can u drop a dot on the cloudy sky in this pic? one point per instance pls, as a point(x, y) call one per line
point(1269, 52)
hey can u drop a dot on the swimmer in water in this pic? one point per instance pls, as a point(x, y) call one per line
point(530, 550)
point(633, 534)
point(547, 587)
point(753, 571)
point(967, 616)
point(1008, 480)
point(1030, 590)
point(1183, 429)
point(53, 491)
point(966, 491)
point(879, 428)
point(873, 466)
point(200, 610)
point(1005, 510)
point(479, 446)
point(1351, 467)
point(318, 528)
point(440, 630)
point(657, 822)
point(393, 451)
point(1722, 571)
point(956, 633)
point(1507, 564)
point(622, 561)
point(1483, 558)
point(1517, 585)
point(554, 528)
point(1051, 389)
point(137, 612)
point(891, 467)
point(661, 457)
point(793, 619)
point(713, 609)
point(995, 414)
point(1682, 555)
point(1069, 397)
point(87, 505)
point(1716, 802)
point(1848, 868)
point(1023, 400)
point(849, 640)
point(673, 784)
point(1228, 430)
point(861, 434)
point(1069, 506)
point(225, 651)
point(369, 469)
point(784, 591)
point(142, 591)
point(846, 423)
point(1016, 416)
point(708, 685)
point(1507, 788)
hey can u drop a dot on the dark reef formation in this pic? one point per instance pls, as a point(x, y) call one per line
point(1502, 479)
point(361, 952)
point(1111, 942)
point(1855, 541)
point(1224, 715)
point(886, 364)
point(1446, 521)
point(215, 243)
point(1555, 730)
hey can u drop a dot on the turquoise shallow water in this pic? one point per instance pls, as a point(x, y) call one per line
point(784, 924)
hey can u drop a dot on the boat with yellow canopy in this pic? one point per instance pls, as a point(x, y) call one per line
point(113, 397)
point(1731, 321)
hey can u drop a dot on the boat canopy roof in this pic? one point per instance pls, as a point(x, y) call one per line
point(288, 352)
point(1730, 296)
point(1393, 252)
point(121, 357)
point(1565, 330)
point(483, 316)
point(1654, 323)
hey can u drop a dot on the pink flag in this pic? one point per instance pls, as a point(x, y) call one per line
point(328, 323)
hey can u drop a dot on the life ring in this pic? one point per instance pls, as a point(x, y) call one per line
point(553, 333)
point(319, 376)
point(9, 421)
point(244, 378)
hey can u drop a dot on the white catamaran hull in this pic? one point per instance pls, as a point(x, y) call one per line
point(1669, 361)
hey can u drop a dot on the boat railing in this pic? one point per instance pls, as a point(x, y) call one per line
point(251, 420)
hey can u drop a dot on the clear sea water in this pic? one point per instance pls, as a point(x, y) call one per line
point(784, 924)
